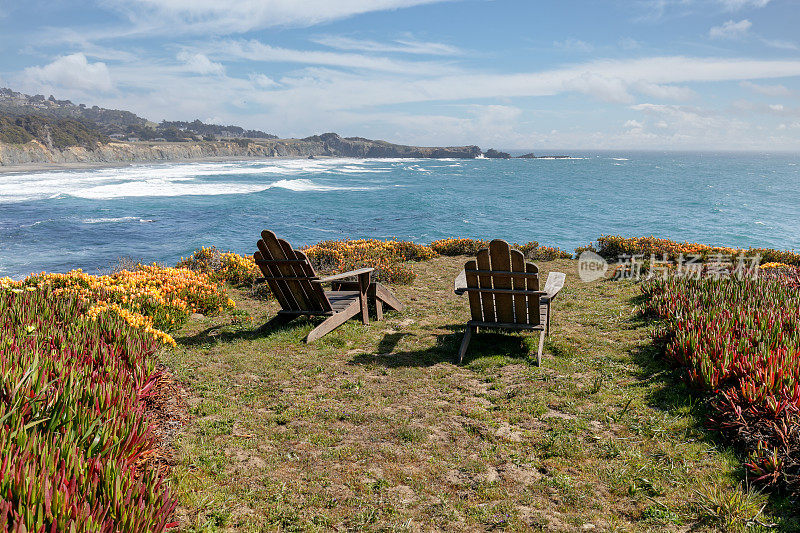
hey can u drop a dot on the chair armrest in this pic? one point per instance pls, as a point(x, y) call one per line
point(343, 275)
point(554, 284)
point(460, 283)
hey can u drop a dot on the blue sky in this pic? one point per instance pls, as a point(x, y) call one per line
point(649, 74)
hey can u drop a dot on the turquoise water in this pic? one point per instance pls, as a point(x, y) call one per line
point(56, 221)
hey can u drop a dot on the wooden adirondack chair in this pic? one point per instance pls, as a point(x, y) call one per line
point(298, 289)
point(504, 292)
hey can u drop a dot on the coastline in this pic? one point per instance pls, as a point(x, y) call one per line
point(35, 156)
point(87, 165)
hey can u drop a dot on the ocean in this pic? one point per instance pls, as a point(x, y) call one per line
point(60, 220)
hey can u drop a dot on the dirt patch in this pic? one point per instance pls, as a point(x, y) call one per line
point(167, 410)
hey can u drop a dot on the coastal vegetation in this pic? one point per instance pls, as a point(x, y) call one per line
point(74, 432)
point(392, 260)
point(651, 396)
point(117, 122)
point(612, 247)
point(53, 133)
point(739, 340)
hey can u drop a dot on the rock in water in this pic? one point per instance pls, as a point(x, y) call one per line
point(491, 153)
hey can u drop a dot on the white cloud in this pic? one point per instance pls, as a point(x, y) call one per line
point(404, 46)
point(735, 5)
point(664, 92)
point(607, 79)
point(497, 119)
point(486, 125)
point(629, 43)
point(730, 30)
point(199, 63)
point(238, 16)
point(608, 89)
point(768, 109)
point(263, 81)
point(781, 45)
point(315, 99)
point(633, 124)
point(71, 72)
point(684, 124)
point(254, 50)
point(767, 90)
point(573, 45)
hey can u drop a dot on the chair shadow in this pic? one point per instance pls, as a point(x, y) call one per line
point(445, 349)
point(214, 334)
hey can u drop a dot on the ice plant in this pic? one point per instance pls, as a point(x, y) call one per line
point(458, 246)
point(228, 267)
point(74, 437)
point(740, 340)
point(532, 250)
point(386, 257)
point(153, 298)
point(613, 247)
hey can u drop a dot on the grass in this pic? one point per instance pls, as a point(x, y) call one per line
point(373, 427)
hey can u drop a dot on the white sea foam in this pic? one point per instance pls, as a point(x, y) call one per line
point(309, 185)
point(115, 220)
point(182, 179)
point(151, 188)
point(34, 224)
point(620, 159)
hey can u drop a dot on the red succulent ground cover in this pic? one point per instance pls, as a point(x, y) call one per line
point(612, 247)
point(740, 340)
point(75, 438)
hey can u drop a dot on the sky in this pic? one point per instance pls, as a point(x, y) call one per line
point(508, 74)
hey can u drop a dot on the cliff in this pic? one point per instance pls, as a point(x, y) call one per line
point(328, 144)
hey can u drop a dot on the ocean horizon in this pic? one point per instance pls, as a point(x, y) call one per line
point(60, 220)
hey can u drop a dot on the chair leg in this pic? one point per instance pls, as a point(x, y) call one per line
point(383, 294)
point(465, 343)
point(547, 326)
point(363, 288)
point(541, 347)
point(333, 322)
point(379, 309)
point(276, 321)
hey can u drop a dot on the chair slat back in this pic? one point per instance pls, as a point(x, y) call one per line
point(485, 282)
point(475, 306)
point(270, 272)
point(500, 254)
point(316, 289)
point(284, 265)
point(493, 270)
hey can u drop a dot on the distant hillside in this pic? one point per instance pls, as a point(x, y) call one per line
point(69, 133)
point(58, 133)
point(118, 123)
point(223, 132)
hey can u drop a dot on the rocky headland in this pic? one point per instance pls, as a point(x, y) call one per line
point(328, 144)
